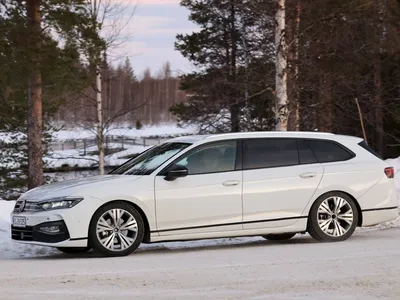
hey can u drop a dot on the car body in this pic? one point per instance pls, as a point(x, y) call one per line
point(272, 184)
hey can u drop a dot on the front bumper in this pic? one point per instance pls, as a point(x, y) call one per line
point(38, 233)
point(73, 228)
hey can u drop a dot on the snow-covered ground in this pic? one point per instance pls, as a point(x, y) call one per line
point(75, 158)
point(365, 267)
point(129, 131)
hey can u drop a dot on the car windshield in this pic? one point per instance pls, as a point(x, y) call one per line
point(150, 160)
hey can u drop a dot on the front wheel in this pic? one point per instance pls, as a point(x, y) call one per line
point(333, 217)
point(116, 229)
point(279, 237)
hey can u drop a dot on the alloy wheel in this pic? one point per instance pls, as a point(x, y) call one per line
point(335, 216)
point(117, 229)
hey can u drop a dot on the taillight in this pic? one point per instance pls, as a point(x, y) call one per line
point(389, 172)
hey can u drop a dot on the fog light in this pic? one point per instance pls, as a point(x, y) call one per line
point(50, 229)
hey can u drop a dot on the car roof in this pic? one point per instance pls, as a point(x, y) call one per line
point(264, 134)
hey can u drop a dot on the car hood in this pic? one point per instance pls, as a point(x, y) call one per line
point(70, 187)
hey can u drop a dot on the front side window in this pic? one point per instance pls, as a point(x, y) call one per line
point(211, 158)
point(327, 151)
point(150, 160)
point(269, 152)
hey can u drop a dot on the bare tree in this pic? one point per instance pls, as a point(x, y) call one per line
point(111, 19)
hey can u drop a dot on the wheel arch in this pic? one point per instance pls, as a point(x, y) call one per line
point(146, 238)
point(359, 211)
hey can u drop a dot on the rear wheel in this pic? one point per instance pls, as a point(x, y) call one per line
point(116, 229)
point(74, 250)
point(279, 237)
point(333, 217)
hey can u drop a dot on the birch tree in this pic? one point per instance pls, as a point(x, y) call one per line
point(281, 67)
point(110, 20)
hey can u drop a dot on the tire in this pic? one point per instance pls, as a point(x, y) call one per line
point(74, 250)
point(279, 237)
point(328, 224)
point(120, 238)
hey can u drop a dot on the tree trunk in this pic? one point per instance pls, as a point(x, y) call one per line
point(379, 103)
point(234, 110)
point(292, 36)
point(296, 67)
point(100, 132)
point(281, 72)
point(325, 111)
point(35, 119)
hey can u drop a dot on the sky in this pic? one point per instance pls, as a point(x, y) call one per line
point(152, 32)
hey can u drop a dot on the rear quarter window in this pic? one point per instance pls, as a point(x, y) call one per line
point(328, 151)
point(364, 145)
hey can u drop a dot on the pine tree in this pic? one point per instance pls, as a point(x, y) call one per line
point(234, 42)
point(36, 68)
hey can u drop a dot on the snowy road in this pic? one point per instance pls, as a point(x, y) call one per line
point(365, 267)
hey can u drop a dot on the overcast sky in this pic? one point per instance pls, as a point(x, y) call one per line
point(152, 32)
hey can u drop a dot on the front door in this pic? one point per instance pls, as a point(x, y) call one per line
point(209, 199)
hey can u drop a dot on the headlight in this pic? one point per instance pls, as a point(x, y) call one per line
point(60, 203)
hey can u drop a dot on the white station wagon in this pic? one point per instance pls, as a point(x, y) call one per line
point(269, 184)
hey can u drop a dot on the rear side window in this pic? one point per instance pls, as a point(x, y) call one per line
point(269, 153)
point(369, 149)
point(306, 155)
point(327, 151)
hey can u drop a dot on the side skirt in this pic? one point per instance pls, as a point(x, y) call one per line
point(300, 226)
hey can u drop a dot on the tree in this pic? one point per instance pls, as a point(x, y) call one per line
point(106, 21)
point(224, 49)
point(29, 50)
point(281, 66)
point(67, 18)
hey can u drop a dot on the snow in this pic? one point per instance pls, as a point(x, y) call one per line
point(76, 158)
point(161, 130)
point(8, 249)
point(366, 267)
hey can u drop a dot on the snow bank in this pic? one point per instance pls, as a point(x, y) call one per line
point(9, 249)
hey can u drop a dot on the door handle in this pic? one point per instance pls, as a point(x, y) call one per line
point(308, 175)
point(231, 183)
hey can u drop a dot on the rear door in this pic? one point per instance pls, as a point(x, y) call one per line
point(280, 176)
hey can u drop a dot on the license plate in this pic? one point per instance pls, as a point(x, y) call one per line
point(19, 221)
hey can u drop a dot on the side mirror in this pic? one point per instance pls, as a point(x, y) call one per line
point(176, 172)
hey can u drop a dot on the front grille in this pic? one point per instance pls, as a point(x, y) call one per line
point(22, 234)
point(26, 206)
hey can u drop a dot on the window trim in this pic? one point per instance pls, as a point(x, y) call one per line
point(238, 163)
point(298, 149)
point(272, 138)
point(352, 154)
